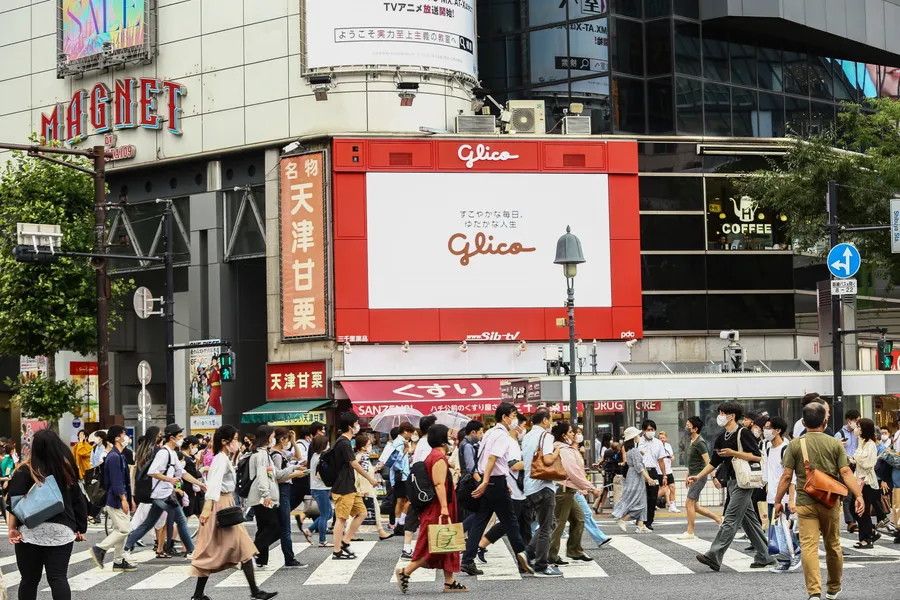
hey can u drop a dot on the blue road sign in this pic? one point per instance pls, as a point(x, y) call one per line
point(844, 260)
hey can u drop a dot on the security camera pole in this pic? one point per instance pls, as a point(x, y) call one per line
point(98, 155)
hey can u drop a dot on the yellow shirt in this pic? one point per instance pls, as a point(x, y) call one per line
point(82, 452)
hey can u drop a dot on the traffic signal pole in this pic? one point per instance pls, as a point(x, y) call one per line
point(170, 313)
point(837, 410)
point(99, 155)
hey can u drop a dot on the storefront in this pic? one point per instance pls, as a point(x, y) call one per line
point(297, 394)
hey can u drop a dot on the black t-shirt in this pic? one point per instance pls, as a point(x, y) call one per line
point(345, 483)
point(748, 444)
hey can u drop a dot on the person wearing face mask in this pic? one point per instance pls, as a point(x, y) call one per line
point(420, 452)
point(264, 494)
point(222, 548)
point(670, 478)
point(653, 454)
point(166, 471)
point(734, 441)
point(348, 504)
point(846, 435)
point(697, 459)
point(632, 503)
point(119, 504)
point(774, 432)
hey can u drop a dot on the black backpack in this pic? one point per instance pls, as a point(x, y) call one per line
point(242, 474)
point(327, 469)
point(420, 488)
point(143, 483)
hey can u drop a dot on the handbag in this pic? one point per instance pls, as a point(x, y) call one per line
point(820, 486)
point(543, 471)
point(229, 517)
point(446, 538)
point(42, 502)
point(749, 475)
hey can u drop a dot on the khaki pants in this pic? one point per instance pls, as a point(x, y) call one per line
point(120, 524)
point(567, 510)
point(813, 520)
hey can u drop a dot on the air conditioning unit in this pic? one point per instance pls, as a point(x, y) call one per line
point(476, 124)
point(576, 125)
point(527, 116)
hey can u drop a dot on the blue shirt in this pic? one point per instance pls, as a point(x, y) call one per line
point(116, 479)
point(852, 441)
point(529, 447)
point(401, 465)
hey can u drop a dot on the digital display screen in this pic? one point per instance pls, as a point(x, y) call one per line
point(89, 25)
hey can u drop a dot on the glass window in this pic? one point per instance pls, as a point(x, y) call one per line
point(657, 8)
point(845, 76)
point(715, 60)
point(679, 312)
point(717, 107)
point(770, 72)
point(821, 117)
point(687, 48)
point(658, 157)
point(759, 271)
point(796, 73)
point(750, 311)
point(629, 8)
point(743, 64)
point(796, 114)
point(659, 50)
point(672, 232)
point(689, 105)
point(771, 115)
point(660, 105)
point(628, 47)
point(671, 193)
point(688, 8)
point(744, 112)
point(821, 84)
point(629, 103)
point(738, 223)
point(673, 272)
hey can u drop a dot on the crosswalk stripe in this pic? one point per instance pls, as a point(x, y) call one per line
point(420, 576)
point(13, 578)
point(650, 559)
point(734, 560)
point(165, 579)
point(337, 572)
point(582, 570)
point(85, 581)
point(877, 551)
point(276, 561)
point(501, 565)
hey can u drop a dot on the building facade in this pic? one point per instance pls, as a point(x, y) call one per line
point(221, 105)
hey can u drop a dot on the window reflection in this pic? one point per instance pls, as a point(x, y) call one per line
point(628, 95)
point(771, 115)
point(743, 64)
point(672, 232)
point(744, 112)
point(687, 48)
point(715, 60)
point(796, 73)
point(671, 193)
point(689, 105)
point(628, 47)
point(796, 114)
point(660, 100)
point(821, 83)
point(770, 72)
point(717, 106)
point(659, 50)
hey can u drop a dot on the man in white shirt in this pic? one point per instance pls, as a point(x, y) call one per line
point(653, 454)
point(166, 471)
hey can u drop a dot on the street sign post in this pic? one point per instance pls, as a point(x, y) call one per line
point(895, 225)
point(144, 373)
point(844, 260)
point(843, 287)
point(143, 303)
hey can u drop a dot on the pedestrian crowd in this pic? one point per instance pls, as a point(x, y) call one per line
point(451, 494)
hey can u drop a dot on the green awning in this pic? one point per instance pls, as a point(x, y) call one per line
point(282, 411)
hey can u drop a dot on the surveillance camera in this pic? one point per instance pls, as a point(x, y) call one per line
point(464, 347)
point(731, 335)
point(290, 147)
point(404, 347)
point(347, 348)
point(632, 343)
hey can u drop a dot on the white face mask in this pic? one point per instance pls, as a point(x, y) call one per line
point(756, 432)
point(179, 442)
point(650, 434)
point(851, 425)
point(513, 425)
point(414, 438)
point(885, 437)
point(356, 429)
point(579, 439)
point(722, 420)
point(769, 434)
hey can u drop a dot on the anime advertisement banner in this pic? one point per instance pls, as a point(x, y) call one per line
point(205, 381)
point(90, 27)
point(85, 376)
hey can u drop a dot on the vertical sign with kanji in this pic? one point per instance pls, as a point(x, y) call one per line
point(303, 264)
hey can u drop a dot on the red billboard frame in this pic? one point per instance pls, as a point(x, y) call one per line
point(356, 322)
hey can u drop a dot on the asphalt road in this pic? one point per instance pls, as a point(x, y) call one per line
point(632, 565)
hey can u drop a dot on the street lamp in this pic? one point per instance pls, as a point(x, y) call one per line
point(569, 255)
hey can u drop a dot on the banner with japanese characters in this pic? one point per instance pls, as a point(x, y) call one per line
point(205, 381)
point(304, 268)
point(86, 376)
point(422, 33)
point(297, 381)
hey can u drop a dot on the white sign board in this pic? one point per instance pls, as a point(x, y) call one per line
point(144, 372)
point(437, 34)
point(895, 225)
point(843, 287)
point(581, 49)
point(484, 240)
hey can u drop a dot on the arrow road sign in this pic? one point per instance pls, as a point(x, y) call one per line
point(144, 372)
point(143, 302)
point(844, 260)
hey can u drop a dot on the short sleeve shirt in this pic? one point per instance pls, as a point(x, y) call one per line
point(164, 463)
point(652, 451)
point(345, 482)
point(495, 444)
point(695, 456)
point(537, 436)
point(515, 455)
point(748, 444)
point(825, 454)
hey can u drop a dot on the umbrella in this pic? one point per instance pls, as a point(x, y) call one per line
point(393, 417)
point(452, 419)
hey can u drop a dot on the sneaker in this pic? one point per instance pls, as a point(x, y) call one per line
point(781, 567)
point(815, 597)
point(295, 564)
point(761, 565)
point(673, 508)
point(705, 560)
point(559, 561)
point(795, 563)
point(623, 525)
point(124, 566)
point(263, 595)
point(550, 571)
point(480, 555)
point(643, 529)
point(648, 526)
point(582, 558)
point(99, 555)
point(260, 567)
point(189, 556)
point(406, 555)
point(740, 535)
point(687, 536)
point(833, 595)
point(604, 542)
point(470, 569)
point(524, 564)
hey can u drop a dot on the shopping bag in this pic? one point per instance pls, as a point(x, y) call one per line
point(784, 537)
point(446, 537)
point(773, 540)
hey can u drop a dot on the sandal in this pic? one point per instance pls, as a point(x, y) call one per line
point(163, 555)
point(403, 581)
point(326, 545)
point(454, 587)
point(864, 546)
point(308, 535)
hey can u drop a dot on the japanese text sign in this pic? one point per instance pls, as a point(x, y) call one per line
point(303, 266)
point(296, 381)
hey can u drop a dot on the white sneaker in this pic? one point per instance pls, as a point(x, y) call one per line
point(623, 525)
point(687, 536)
point(740, 535)
point(642, 529)
point(673, 508)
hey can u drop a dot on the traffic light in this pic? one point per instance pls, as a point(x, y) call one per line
point(226, 365)
point(26, 254)
point(885, 358)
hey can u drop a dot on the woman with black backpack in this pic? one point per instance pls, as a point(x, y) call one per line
point(321, 493)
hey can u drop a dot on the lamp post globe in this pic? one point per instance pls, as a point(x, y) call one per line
point(569, 254)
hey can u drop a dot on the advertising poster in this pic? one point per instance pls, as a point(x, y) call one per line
point(87, 25)
point(581, 48)
point(205, 382)
point(32, 367)
point(29, 428)
point(303, 264)
point(438, 34)
point(85, 376)
point(871, 81)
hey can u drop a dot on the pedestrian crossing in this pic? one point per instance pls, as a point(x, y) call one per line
point(627, 555)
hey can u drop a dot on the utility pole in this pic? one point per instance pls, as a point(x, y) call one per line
point(99, 156)
point(837, 410)
point(170, 313)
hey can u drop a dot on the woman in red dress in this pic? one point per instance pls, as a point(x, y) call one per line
point(214, 377)
point(442, 507)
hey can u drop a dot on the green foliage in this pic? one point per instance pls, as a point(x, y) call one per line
point(863, 156)
point(47, 308)
point(45, 399)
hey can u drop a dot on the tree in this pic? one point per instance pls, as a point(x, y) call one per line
point(47, 308)
point(862, 154)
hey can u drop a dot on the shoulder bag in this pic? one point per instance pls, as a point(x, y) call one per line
point(41, 503)
point(541, 470)
point(749, 475)
point(820, 486)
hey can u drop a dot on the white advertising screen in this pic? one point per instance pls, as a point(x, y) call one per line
point(435, 33)
point(585, 53)
point(484, 240)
